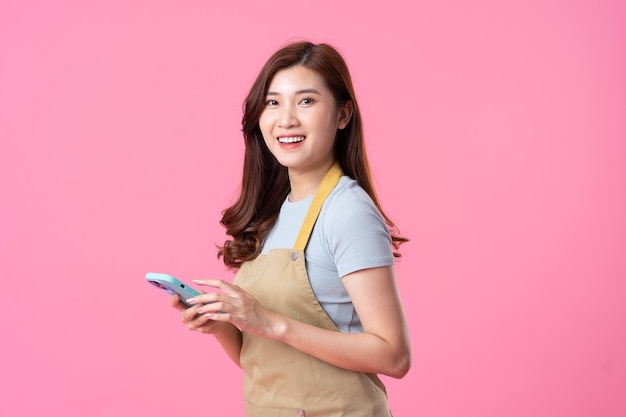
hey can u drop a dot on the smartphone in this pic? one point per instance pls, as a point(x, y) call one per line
point(171, 285)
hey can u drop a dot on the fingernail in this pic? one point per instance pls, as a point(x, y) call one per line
point(191, 300)
point(197, 281)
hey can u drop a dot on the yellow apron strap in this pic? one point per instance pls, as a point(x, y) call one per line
point(328, 183)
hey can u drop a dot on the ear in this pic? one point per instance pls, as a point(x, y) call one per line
point(345, 114)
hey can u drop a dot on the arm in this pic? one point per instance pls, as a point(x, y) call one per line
point(384, 345)
point(382, 348)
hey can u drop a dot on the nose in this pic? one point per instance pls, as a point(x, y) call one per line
point(288, 117)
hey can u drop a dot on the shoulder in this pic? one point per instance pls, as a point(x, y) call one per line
point(354, 230)
point(348, 199)
point(348, 193)
point(349, 208)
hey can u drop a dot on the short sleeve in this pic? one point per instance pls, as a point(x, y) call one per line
point(356, 232)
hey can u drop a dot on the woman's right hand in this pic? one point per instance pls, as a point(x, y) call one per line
point(194, 321)
point(226, 334)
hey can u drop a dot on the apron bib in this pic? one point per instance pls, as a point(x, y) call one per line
point(280, 381)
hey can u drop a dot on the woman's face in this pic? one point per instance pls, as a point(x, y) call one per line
point(300, 120)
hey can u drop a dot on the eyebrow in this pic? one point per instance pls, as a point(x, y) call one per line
point(305, 91)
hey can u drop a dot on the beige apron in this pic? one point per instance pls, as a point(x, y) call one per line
point(280, 381)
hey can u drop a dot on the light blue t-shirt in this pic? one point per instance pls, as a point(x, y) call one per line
point(350, 235)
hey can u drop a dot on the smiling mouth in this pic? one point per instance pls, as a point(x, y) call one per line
point(291, 139)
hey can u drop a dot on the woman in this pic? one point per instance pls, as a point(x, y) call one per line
point(314, 312)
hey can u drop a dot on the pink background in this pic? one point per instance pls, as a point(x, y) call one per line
point(497, 137)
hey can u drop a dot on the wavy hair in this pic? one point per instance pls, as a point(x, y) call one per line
point(265, 183)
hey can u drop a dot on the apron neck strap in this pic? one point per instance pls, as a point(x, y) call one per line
point(328, 183)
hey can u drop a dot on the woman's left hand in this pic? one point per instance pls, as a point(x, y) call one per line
point(234, 305)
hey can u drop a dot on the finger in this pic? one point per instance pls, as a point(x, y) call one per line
point(205, 298)
point(203, 324)
point(220, 316)
point(224, 286)
point(207, 328)
point(215, 307)
point(190, 314)
point(177, 303)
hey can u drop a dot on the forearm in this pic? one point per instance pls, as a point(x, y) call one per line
point(361, 352)
point(382, 348)
point(229, 337)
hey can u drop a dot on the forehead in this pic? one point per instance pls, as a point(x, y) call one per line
point(296, 78)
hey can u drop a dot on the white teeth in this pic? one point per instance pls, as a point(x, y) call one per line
point(291, 139)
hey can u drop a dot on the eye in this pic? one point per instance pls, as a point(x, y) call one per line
point(307, 100)
point(271, 102)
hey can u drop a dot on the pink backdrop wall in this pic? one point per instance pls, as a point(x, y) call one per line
point(497, 136)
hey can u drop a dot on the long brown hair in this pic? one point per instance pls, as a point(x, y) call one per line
point(265, 183)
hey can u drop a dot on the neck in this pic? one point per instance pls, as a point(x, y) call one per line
point(306, 183)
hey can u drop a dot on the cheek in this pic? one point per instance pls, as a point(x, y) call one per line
point(265, 126)
point(328, 120)
point(328, 125)
point(267, 139)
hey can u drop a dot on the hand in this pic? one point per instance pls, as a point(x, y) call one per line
point(232, 305)
point(194, 320)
